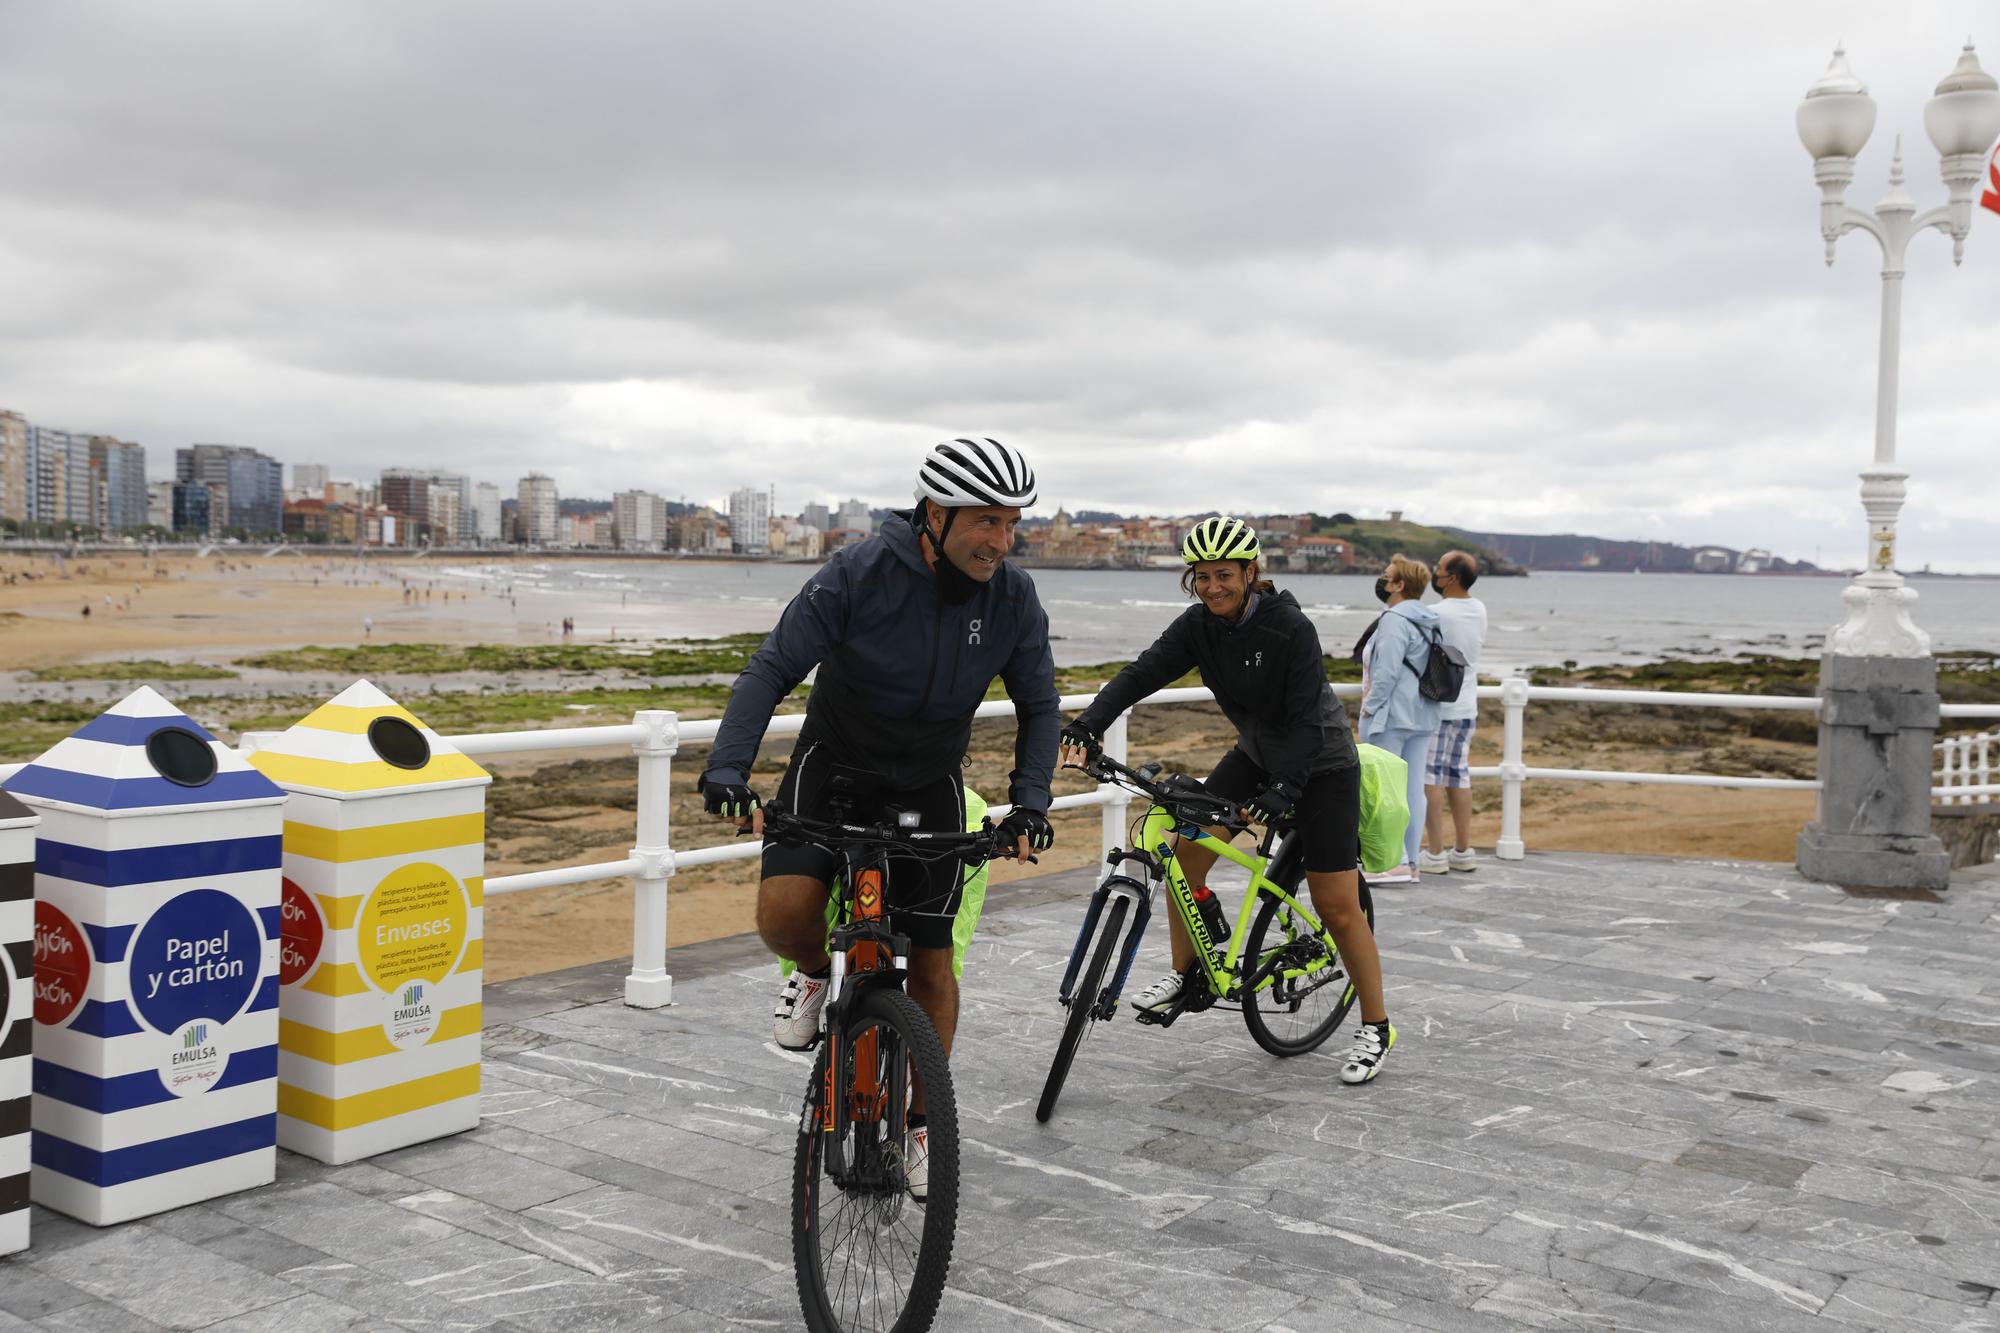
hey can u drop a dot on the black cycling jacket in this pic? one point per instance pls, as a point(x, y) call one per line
point(901, 670)
point(1267, 676)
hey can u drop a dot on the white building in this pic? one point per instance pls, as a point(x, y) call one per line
point(160, 504)
point(638, 521)
point(310, 479)
point(854, 514)
point(539, 510)
point(750, 521)
point(13, 466)
point(796, 539)
point(485, 513)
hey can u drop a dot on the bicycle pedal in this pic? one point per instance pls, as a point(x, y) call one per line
point(1163, 1018)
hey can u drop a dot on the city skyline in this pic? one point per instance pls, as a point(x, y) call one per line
point(409, 506)
point(1563, 276)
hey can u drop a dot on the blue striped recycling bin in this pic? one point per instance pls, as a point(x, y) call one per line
point(156, 956)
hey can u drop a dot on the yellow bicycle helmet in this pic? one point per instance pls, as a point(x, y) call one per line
point(1220, 539)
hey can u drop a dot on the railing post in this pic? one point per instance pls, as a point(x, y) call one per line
point(1984, 775)
point(648, 986)
point(1513, 772)
point(1119, 799)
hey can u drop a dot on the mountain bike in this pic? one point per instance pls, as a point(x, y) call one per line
point(869, 1256)
point(1279, 962)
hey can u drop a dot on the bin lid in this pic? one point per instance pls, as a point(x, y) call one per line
point(15, 815)
point(363, 743)
point(142, 754)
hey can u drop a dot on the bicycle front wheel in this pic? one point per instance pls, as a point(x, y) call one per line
point(1306, 996)
point(870, 1257)
point(1083, 1005)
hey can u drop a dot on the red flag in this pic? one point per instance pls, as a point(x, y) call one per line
point(1991, 199)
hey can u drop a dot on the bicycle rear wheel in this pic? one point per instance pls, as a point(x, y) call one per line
point(870, 1258)
point(1083, 1004)
point(1306, 998)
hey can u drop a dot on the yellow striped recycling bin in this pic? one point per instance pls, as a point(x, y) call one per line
point(385, 859)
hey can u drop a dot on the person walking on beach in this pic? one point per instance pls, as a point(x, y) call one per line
point(907, 629)
point(1394, 714)
point(1448, 768)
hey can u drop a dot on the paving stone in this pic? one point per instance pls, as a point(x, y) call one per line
point(159, 1278)
point(305, 1314)
point(1723, 1159)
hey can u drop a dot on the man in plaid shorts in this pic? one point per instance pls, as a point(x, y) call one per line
point(1448, 771)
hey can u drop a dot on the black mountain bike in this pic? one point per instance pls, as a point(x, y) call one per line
point(869, 1257)
point(1278, 962)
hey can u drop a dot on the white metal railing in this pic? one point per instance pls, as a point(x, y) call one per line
point(1965, 768)
point(655, 736)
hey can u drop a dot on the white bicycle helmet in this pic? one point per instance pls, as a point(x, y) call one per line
point(960, 473)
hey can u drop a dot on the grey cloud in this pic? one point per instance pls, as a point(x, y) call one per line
point(1192, 256)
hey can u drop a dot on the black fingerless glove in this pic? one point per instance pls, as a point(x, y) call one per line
point(1274, 803)
point(733, 800)
point(1033, 825)
point(1082, 737)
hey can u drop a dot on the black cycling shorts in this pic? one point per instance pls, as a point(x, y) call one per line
point(922, 895)
point(1328, 815)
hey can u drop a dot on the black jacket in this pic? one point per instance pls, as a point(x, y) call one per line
point(901, 670)
point(1267, 675)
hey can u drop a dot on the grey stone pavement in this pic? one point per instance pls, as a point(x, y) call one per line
point(1630, 1093)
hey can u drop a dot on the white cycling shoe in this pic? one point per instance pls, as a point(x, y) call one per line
point(917, 1161)
point(1160, 994)
point(795, 1025)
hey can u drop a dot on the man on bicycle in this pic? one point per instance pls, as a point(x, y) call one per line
point(907, 630)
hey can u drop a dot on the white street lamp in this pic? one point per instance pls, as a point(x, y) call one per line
point(1835, 120)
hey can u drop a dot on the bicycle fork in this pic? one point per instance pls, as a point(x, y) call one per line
point(864, 954)
point(1140, 893)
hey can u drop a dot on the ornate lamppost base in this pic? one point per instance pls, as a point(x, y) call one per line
point(1878, 720)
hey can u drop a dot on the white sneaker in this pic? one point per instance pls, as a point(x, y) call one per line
point(917, 1161)
point(1160, 994)
point(1429, 861)
point(1462, 859)
point(1402, 874)
point(797, 1018)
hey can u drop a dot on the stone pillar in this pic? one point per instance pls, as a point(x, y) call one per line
point(1878, 720)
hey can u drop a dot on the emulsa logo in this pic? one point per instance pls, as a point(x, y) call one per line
point(412, 1015)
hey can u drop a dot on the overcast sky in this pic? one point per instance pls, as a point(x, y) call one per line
point(1524, 267)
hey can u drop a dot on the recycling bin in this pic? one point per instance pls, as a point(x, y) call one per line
point(385, 863)
point(17, 1008)
point(156, 968)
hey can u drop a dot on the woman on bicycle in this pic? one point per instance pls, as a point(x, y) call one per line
point(1293, 755)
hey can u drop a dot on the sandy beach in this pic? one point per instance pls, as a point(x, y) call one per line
point(201, 614)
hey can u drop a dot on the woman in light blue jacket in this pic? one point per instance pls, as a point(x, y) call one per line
point(1394, 715)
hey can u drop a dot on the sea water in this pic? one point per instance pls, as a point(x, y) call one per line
point(1110, 615)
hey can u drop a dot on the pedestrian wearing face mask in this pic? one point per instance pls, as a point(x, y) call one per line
point(1394, 714)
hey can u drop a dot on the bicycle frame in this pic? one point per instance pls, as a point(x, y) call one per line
point(1224, 972)
point(1221, 961)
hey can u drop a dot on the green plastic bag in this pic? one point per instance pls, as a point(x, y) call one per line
point(971, 898)
point(1385, 808)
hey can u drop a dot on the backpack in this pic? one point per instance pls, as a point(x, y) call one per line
point(1444, 671)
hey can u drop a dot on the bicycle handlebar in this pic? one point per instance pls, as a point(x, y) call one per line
point(1183, 795)
point(973, 846)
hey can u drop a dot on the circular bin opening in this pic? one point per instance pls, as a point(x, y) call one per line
point(181, 757)
point(399, 743)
